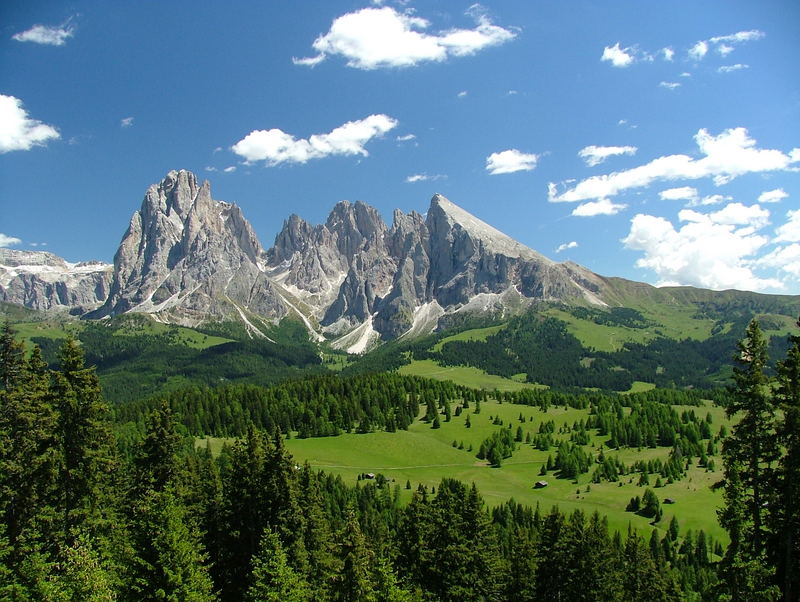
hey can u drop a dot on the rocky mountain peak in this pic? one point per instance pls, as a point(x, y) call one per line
point(444, 216)
point(189, 258)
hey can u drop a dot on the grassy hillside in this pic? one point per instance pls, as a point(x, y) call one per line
point(423, 455)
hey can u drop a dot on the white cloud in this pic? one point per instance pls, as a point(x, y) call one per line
point(276, 146)
point(601, 207)
point(594, 155)
point(462, 94)
point(785, 258)
point(731, 68)
point(669, 85)
point(724, 45)
point(684, 193)
point(423, 177)
point(509, 161)
point(726, 156)
point(707, 251)
point(8, 241)
point(405, 138)
point(737, 214)
point(687, 193)
point(46, 34)
point(772, 196)
point(212, 169)
point(126, 122)
point(668, 53)
point(566, 245)
point(230, 169)
point(738, 37)
point(618, 57)
point(790, 231)
point(18, 131)
point(712, 199)
point(372, 38)
point(699, 50)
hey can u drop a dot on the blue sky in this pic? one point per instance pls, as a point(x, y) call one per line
point(657, 141)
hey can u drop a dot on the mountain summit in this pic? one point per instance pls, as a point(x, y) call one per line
point(186, 258)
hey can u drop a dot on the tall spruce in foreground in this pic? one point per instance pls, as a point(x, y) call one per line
point(785, 517)
point(749, 454)
point(87, 444)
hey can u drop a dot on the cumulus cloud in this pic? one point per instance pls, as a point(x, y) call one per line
point(786, 259)
point(601, 207)
point(509, 161)
point(687, 193)
point(669, 85)
point(790, 231)
point(8, 241)
point(276, 146)
point(668, 53)
point(51, 35)
point(726, 156)
point(684, 193)
point(708, 250)
point(18, 131)
point(462, 94)
point(373, 38)
point(594, 155)
point(699, 50)
point(772, 196)
point(617, 56)
point(405, 138)
point(566, 245)
point(423, 177)
point(126, 122)
point(230, 169)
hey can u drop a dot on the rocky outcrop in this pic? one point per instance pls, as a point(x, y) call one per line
point(190, 259)
point(46, 282)
point(354, 269)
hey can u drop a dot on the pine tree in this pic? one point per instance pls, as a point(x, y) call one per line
point(272, 578)
point(170, 562)
point(784, 515)
point(749, 454)
point(355, 580)
point(156, 462)
point(87, 444)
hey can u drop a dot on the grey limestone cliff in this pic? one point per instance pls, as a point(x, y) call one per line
point(190, 259)
point(43, 281)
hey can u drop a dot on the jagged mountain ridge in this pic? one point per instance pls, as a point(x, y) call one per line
point(187, 259)
point(357, 271)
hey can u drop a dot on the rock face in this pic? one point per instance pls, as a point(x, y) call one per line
point(190, 259)
point(187, 259)
point(355, 271)
point(44, 281)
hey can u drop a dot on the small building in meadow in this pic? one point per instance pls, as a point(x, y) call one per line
point(540, 484)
